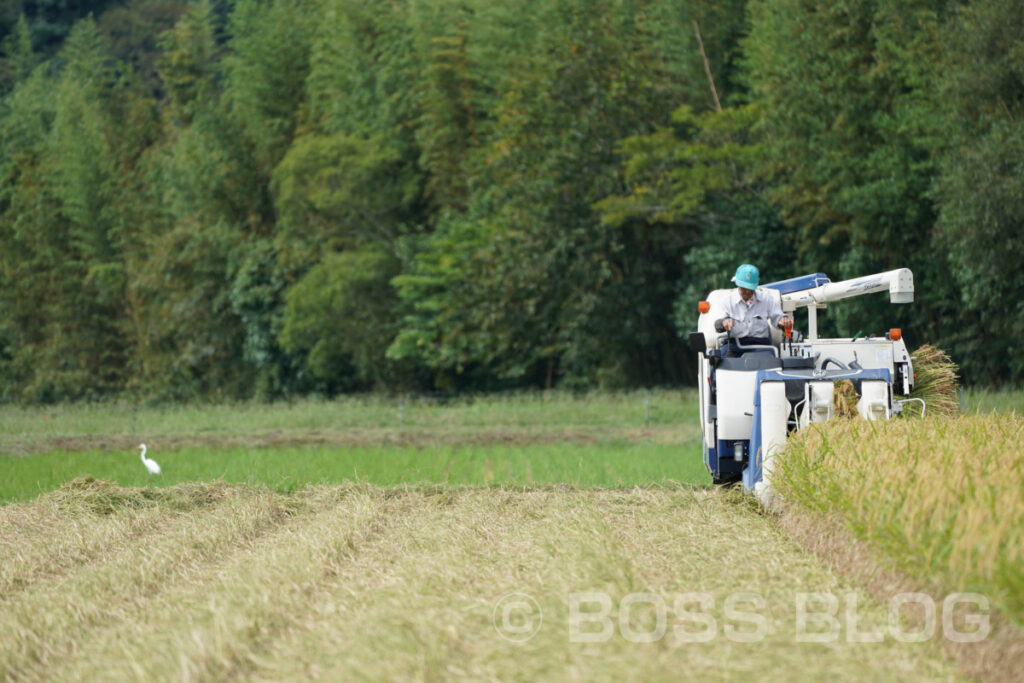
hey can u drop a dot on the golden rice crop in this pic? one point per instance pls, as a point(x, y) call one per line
point(942, 497)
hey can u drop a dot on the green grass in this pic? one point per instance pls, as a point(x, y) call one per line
point(982, 401)
point(552, 409)
point(514, 439)
point(590, 440)
point(601, 465)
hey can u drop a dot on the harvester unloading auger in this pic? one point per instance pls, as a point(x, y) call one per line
point(748, 404)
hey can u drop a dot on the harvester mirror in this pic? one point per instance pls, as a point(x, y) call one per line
point(698, 344)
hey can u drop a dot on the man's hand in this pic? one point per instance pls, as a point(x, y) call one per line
point(785, 321)
point(728, 323)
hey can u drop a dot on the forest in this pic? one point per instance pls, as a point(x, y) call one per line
point(258, 199)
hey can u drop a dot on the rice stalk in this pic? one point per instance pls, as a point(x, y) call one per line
point(940, 497)
point(844, 399)
point(936, 381)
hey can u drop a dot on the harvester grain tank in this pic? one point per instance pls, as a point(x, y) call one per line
point(750, 403)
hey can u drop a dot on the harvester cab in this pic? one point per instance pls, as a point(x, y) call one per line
point(752, 397)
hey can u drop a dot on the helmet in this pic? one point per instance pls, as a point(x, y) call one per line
point(746, 276)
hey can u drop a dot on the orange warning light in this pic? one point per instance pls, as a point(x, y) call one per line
point(895, 334)
point(703, 306)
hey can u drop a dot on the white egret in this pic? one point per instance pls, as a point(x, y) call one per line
point(150, 464)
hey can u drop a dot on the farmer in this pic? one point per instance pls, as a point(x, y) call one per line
point(747, 315)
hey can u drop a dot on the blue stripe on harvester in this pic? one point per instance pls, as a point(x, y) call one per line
point(798, 284)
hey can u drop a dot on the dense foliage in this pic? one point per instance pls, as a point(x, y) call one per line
point(233, 198)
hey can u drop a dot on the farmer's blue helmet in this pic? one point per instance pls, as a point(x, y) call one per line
point(746, 276)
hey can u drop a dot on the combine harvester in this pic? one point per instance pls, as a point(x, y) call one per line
point(748, 404)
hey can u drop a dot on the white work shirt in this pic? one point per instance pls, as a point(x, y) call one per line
point(754, 319)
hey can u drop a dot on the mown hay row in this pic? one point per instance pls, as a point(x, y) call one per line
point(46, 624)
point(88, 520)
point(403, 583)
point(219, 622)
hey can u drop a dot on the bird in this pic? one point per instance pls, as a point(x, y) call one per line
point(150, 464)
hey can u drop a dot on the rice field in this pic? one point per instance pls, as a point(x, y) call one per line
point(216, 581)
point(940, 500)
point(605, 464)
point(355, 421)
point(608, 440)
point(941, 497)
point(534, 536)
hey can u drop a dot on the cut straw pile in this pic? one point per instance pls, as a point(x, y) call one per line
point(844, 399)
point(935, 381)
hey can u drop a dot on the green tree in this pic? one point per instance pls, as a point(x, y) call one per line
point(258, 290)
point(101, 123)
point(700, 179)
point(28, 214)
point(341, 320)
point(981, 207)
point(190, 337)
point(266, 70)
point(851, 128)
point(68, 207)
point(18, 56)
point(454, 95)
point(525, 282)
point(50, 21)
point(188, 64)
point(348, 189)
point(338, 190)
point(133, 29)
